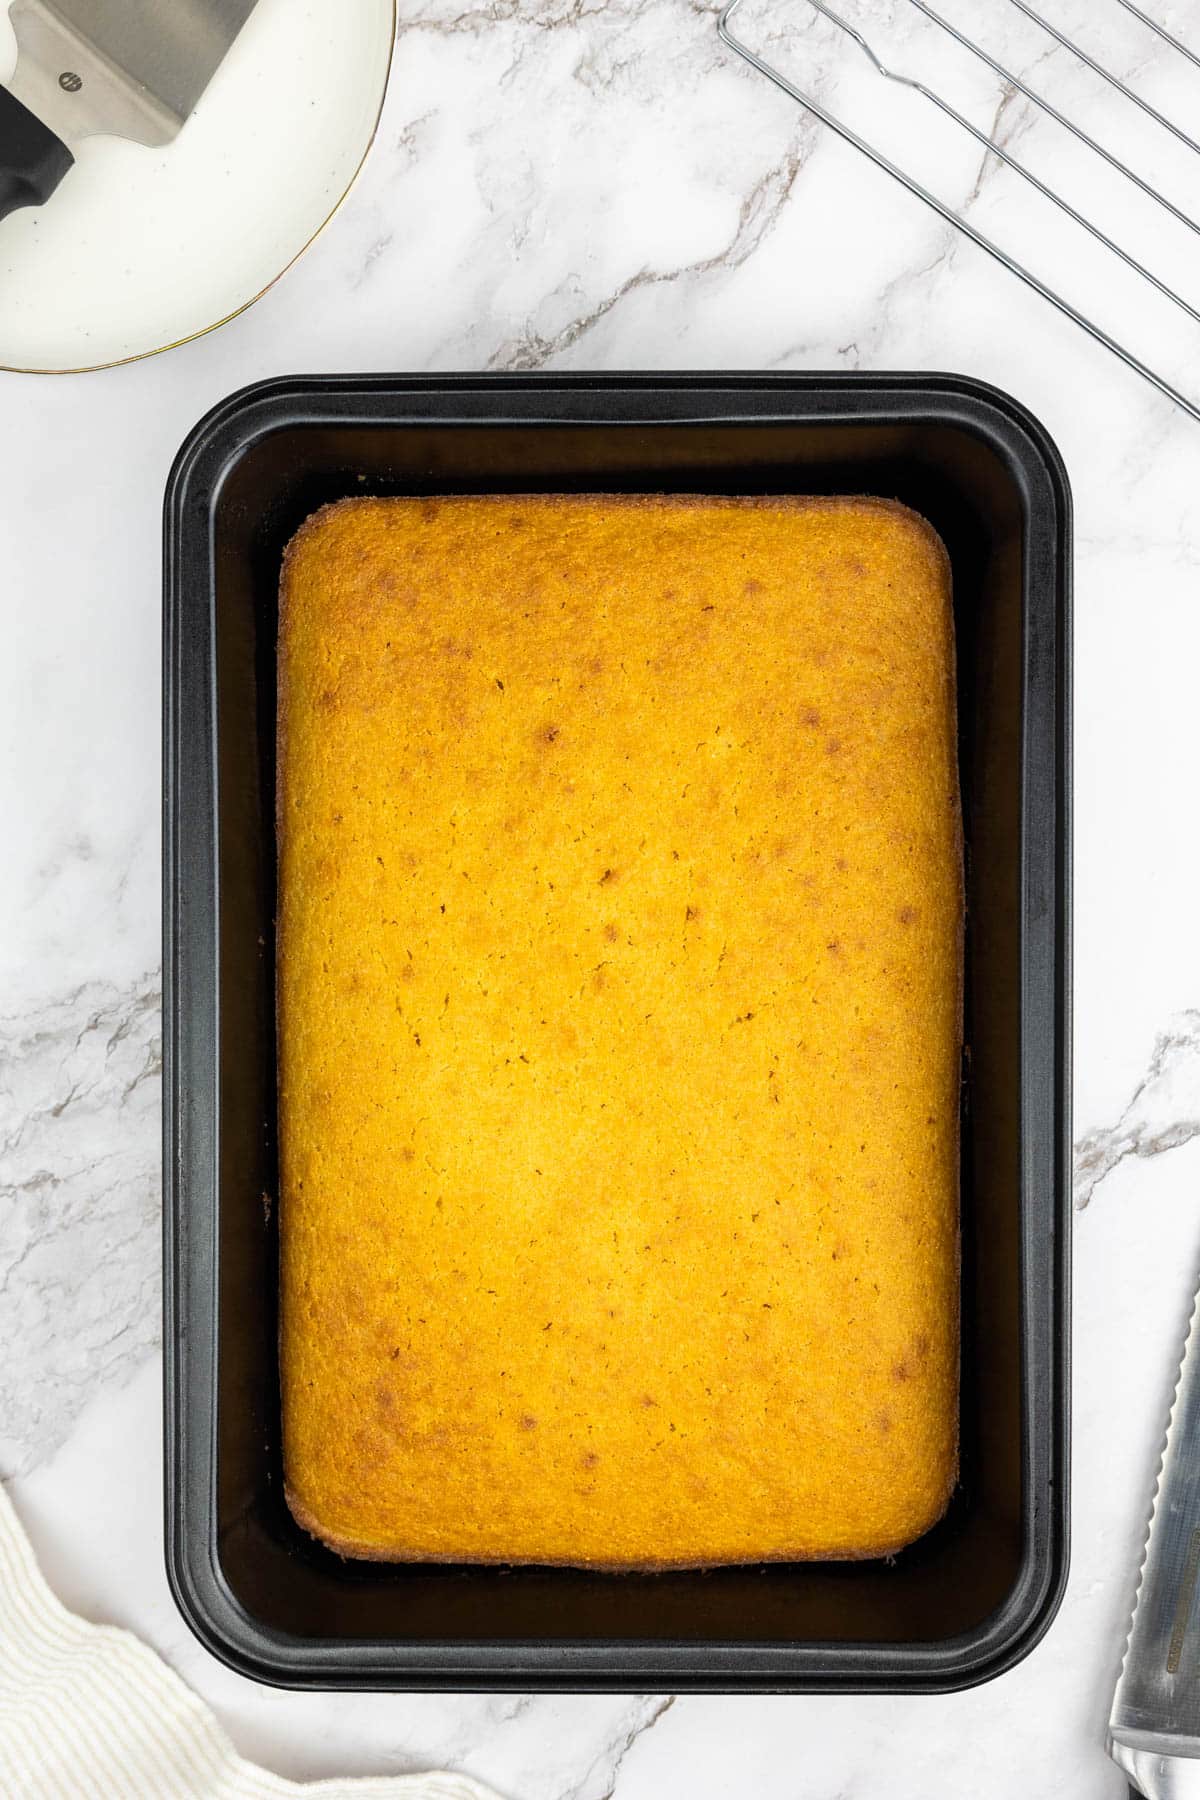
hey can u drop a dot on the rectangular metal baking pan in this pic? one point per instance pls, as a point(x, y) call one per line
point(974, 1595)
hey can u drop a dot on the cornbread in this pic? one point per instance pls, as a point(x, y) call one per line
point(619, 954)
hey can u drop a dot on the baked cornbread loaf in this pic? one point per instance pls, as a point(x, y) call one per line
point(619, 994)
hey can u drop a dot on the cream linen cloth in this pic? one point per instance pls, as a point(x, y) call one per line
point(88, 1712)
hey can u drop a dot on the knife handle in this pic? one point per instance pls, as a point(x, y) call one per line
point(32, 159)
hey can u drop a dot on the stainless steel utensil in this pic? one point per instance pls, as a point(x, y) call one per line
point(1154, 1729)
point(131, 68)
point(1059, 42)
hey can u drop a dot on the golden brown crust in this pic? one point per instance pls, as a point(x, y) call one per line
point(599, 816)
point(361, 1550)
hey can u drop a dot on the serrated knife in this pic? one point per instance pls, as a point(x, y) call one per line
point(131, 68)
point(1154, 1729)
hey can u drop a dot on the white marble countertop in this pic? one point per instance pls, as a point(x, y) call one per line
point(566, 185)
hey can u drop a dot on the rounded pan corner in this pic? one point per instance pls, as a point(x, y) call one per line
point(220, 1624)
point(1013, 429)
point(1015, 1630)
point(993, 401)
point(219, 435)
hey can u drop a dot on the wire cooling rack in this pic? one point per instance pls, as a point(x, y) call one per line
point(1081, 115)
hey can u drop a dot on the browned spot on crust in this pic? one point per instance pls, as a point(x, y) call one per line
point(752, 587)
point(691, 912)
point(833, 746)
point(901, 1371)
point(649, 1400)
point(610, 934)
point(408, 972)
point(527, 1422)
point(548, 734)
point(589, 1459)
point(810, 717)
point(328, 700)
point(407, 1153)
point(883, 1420)
point(599, 980)
point(596, 666)
point(370, 1445)
point(608, 875)
point(921, 1346)
point(429, 511)
point(908, 915)
point(834, 947)
point(841, 865)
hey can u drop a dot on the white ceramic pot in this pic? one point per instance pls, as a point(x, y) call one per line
point(141, 249)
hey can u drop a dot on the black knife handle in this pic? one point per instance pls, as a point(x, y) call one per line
point(32, 159)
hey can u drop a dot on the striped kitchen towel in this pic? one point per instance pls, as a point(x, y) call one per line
point(88, 1710)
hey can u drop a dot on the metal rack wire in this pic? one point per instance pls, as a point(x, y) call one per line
point(1122, 167)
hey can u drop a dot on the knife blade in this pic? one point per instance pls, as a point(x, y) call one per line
point(131, 68)
point(1154, 1727)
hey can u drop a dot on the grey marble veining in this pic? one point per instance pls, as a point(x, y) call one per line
point(1163, 1111)
point(79, 1207)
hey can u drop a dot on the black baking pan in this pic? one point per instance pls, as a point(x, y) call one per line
point(972, 1596)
